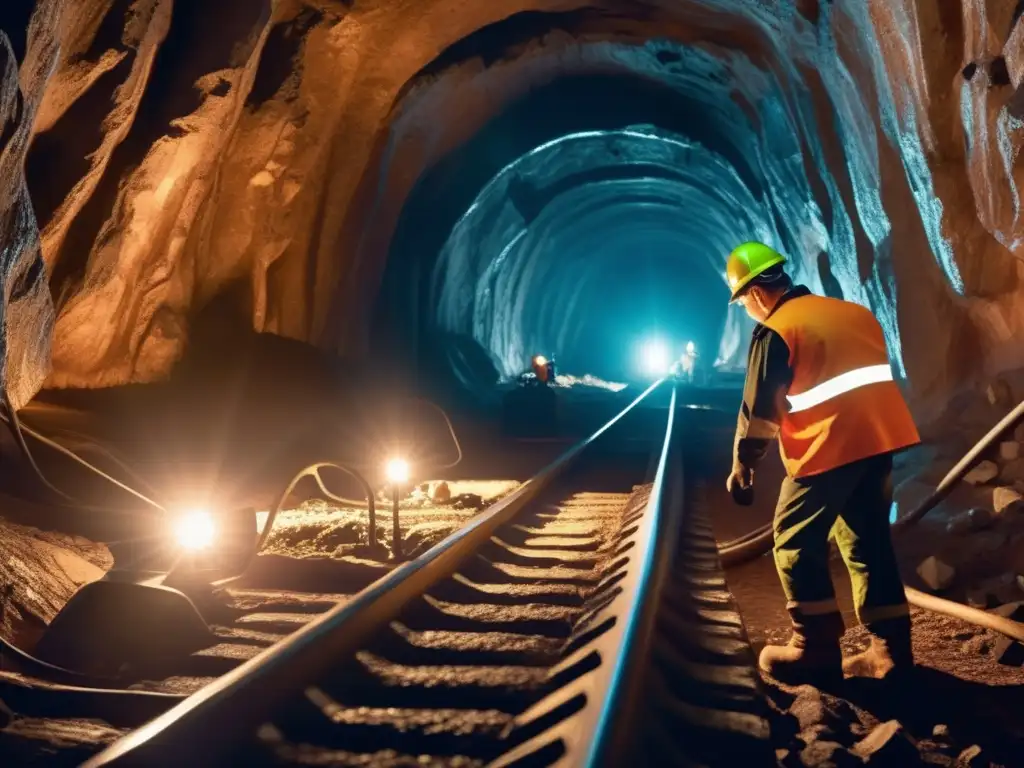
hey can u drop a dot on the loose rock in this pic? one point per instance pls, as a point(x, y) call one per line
point(1009, 450)
point(935, 573)
point(974, 519)
point(887, 744)
point(1006, 499)
point(971, 758)
point(1008, 651)
point(986, 471)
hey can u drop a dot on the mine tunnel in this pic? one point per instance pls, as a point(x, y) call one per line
point(383, 382)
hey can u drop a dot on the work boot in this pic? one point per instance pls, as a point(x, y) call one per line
point(889, 655)
point(812, 655)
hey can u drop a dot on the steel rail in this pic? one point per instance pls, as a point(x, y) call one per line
point(211, 723)
point(606, 711)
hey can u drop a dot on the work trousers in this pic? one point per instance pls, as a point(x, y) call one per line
point(852, 504)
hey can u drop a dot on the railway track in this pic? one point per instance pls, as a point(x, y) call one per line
point(582, 620)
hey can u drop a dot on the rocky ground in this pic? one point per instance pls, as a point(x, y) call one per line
point(964, 706)
point(318, 528)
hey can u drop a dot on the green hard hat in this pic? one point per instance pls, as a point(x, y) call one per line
point(747, 262)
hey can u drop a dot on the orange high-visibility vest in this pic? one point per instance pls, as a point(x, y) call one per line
point(843, 404)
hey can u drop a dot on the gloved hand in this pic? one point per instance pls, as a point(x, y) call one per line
point(740, 485)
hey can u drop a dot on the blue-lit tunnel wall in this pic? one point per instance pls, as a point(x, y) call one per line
point(598, 209)
point(589, 217)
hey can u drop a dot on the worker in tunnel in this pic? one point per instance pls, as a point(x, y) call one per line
point(818, 379)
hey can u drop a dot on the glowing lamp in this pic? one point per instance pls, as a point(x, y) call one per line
point(540, 360)
point(655, 358)
point(397, 471)
point(195, 530)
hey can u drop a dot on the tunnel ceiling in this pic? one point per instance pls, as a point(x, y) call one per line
point(172, 150)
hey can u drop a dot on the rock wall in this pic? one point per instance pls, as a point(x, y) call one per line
point(180, 147)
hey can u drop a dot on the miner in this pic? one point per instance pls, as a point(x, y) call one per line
point(818, 379)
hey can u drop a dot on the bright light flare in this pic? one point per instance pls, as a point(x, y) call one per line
point(690, 348)
point(195, 530)
point(397, 471)
point(540, 360)
point(655, 358)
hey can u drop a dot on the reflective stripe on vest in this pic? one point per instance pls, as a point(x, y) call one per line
point(838, 385)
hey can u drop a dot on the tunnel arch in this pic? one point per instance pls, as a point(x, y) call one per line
point(571, 105)
point(786, 157)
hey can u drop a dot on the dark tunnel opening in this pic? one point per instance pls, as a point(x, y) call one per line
point(605, 298)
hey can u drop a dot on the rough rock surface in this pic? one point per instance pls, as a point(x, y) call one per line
point(179, 151)
point(40, 571)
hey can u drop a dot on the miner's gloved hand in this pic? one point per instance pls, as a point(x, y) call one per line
point(740, 485)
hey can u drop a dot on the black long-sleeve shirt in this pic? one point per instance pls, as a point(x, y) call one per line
point(764, 391)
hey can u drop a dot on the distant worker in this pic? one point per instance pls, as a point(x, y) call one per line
point(818, 378)
point(688, 362)
point(543, 369)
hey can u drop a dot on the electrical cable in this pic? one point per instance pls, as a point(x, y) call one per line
point(14, 659)
point(349, 467)
point(10, 417)
point(759, 541)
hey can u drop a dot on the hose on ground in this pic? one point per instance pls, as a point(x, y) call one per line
point(759, 541)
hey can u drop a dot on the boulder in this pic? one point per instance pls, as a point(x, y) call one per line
point(936, 574)
point(1018, 433)
point(984, 472)
point(888, 744)
point(1007, 499)
point(39, 572)
point(974, 519)
point(1009, 450)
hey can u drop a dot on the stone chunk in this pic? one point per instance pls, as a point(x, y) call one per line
point(1006, 499)
point(974, 519)
point(935, 573)
point(1008, 651)
point(1018, 433)
point(1009, 450)
point(887, 744)
point(983, 472)
point(971, 757)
